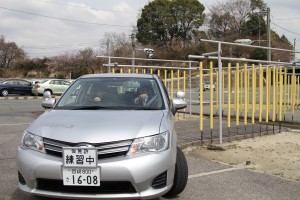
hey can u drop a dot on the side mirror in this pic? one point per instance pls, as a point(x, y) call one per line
point(48, 101)
point(179, 102)
point(180, 94)
point(47, 95)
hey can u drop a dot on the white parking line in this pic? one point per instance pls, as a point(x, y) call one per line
point(212, 172)
point(14, 124)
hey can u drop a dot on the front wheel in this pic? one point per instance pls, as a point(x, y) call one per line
point(48, 91)
point(180, 176)
point(4, 92)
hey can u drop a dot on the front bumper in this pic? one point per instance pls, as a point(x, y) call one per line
point(139, 170)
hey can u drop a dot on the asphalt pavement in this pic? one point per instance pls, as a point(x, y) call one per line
point(207, 179)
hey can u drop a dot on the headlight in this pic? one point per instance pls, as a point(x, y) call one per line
point(153, 143)
point(33, 142)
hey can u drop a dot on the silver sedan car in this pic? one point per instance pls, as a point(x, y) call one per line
point(110, 136)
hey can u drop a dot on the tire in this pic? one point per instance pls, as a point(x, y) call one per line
point(49, 91)
point(4, 92)
point(180, 176)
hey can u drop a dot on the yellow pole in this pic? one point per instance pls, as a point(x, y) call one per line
point(242, 90)
point(172, 84)
point(113, 70)
point(137, 70)
point(237, 94)
point(268, 92)
point(293, 91)
point(288, 91)
point(284, 90)
point(151, 71)
point(129, 71)
point(158, 72)
point(245, 94)
point(121, 70)
point(277, 89)
point(211, 97)
point(280, 93)
point(261, 93)
point(166, 77)
point(274, 94)
point(248, 89)
point(253, 93)
point(229, 95)
point(201, 97)
point(223, 89)
point(234, 97)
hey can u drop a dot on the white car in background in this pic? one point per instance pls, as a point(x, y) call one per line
point(206, 86)
point(54, 86)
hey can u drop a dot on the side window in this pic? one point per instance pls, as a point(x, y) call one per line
point(22, 83)
point(74, 95)
point(65, 83)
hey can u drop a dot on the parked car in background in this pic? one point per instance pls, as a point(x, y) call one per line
point(54, 86)
point(34, 81)
point(105, 147)
point(15, 86)
point(206, 86)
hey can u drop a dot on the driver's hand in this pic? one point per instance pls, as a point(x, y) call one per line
point(97, 99)
point(143, 96)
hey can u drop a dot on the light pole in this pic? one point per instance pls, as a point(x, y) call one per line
point(248, 41)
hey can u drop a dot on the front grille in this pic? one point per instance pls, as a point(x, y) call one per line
point(105, 150)
point(21, 178)
point(106, 187)
point(160, 181)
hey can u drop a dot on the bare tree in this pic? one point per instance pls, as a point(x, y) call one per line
point(9, 53)
point(116, 44)
point(226, 18)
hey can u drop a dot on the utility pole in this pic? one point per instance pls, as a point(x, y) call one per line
point(133, 50)
point(269, 33)
point(108, 54)
point(295, 49)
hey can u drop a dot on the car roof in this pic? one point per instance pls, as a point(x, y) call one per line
point(13, 79)
point(117, 75)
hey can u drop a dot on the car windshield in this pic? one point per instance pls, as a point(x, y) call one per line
point(116, 93)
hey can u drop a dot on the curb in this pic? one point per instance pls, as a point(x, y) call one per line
point(25, 98)
point(215, 145)
point(21, 98)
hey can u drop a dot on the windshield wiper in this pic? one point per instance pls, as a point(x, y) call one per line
point(145, 108)
point(90, 108)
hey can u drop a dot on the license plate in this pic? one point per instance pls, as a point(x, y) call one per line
point(81, 176)
point(80, 157)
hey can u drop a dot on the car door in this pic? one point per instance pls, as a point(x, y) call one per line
point(25, 87)
point(14, 87)
point(64, 85)
point(55, 86)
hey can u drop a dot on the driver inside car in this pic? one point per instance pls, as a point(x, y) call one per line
point(145, 95)
point(98, 94)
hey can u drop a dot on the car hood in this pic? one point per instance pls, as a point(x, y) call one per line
point(96, 126)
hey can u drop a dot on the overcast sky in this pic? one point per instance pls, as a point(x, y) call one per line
point(51, 27)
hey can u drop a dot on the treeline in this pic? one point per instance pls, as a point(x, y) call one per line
point(172, 28)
